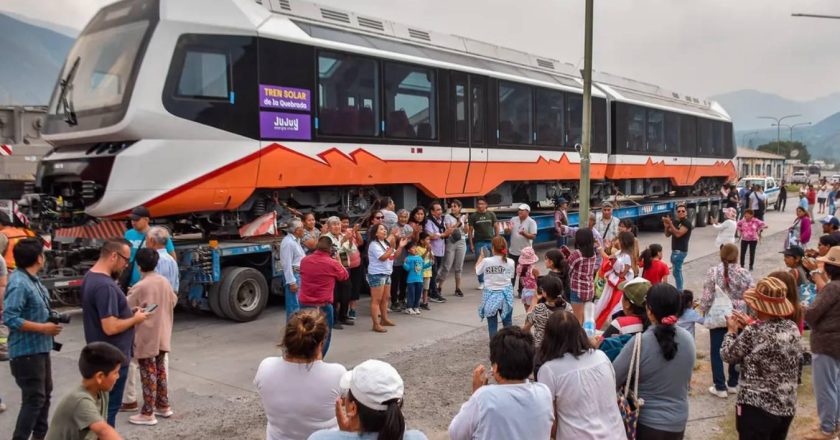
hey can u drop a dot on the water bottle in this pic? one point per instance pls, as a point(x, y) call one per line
point(589, 318)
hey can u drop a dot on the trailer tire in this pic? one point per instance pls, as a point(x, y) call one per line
point(714, 212)
point(214, 296)
point(244, 294)
point(691, 216)
point(702, 216)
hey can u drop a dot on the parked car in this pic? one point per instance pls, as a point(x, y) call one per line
point(771, 188)
point(834, 178)
point(800, 177)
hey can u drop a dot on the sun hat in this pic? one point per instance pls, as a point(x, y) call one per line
point(528, 256)
point(770, 297)
point(636, 290)
point(524, 207)
point(373, 383)
point(832, 257)
point(793, 251)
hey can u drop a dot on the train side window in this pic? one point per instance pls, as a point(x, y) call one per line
point(460, 111)
point(549, 117)
point(672, 133)
point(477, 114)
point(705, 137)
point(688, 136)
point(410, 102)
point(599, 125)
point(574, 120)
point(655, 131)
point(515, 113)
point(635, 129)
point(205, 75)
point(344, 79)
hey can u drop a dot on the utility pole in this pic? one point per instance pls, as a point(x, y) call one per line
point(586, 138)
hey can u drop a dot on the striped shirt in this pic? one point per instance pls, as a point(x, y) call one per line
point(26, 300)
point(168, 268)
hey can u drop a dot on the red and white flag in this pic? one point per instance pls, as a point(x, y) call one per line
point(6, 150)
point(265, 224)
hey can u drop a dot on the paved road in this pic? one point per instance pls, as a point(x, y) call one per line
point(214, 361)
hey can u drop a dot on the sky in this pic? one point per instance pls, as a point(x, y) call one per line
point(697, 47)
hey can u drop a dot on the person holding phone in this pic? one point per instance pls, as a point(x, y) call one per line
point(154, 294)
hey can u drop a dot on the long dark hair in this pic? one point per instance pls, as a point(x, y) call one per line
point(563, 271)
point(648, 254)
point(553, 289)
point(390, 423)
point(728, 256)
point(563, 335)
point(414, 212)
point(585, 242)
point(627, 223)
point(663, 300)
point(628, 246)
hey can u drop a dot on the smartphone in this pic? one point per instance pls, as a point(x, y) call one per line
point(150, 308)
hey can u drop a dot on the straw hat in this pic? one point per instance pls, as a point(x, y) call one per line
point(528, 256)
point(832, 257)
point(770, 297)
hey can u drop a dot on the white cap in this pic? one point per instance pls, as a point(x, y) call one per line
point(373, 383)
point(524, 207)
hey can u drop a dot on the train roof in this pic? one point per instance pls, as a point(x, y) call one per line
point(342, 26)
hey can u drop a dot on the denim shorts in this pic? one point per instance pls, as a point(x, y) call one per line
point(378, 280)
point(573, 297)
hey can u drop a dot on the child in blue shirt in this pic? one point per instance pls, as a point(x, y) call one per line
point(415, 266)
point(689, 316)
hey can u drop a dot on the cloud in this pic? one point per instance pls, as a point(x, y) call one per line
point(697, 47)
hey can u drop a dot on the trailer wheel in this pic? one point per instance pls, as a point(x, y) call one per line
point(214, 296)
point(702, 216)
point(714, 212)
point(243, 294)
point(691, 216)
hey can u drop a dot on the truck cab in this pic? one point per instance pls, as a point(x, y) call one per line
point(771, 188)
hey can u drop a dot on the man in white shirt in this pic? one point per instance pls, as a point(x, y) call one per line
point(291, 252)
point(758, 202)
point(607, 224)
point(522, 230)
point(514, 408)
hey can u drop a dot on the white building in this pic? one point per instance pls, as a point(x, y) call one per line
point(749, 162)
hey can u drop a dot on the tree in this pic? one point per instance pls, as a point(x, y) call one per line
point(785, 148)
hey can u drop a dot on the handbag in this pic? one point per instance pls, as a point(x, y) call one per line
point(721, 308)
point(629, 402)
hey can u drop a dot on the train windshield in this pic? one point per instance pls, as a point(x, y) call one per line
point(98, 76)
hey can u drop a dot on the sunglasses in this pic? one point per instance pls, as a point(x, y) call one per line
point(379, 217)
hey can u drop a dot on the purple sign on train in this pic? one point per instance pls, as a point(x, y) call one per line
point(285, 98)
point(276, 125)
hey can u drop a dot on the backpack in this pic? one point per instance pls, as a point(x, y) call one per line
point(761, 203)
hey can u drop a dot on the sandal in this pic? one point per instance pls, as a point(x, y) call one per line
point(379, 329)
point(388, 322)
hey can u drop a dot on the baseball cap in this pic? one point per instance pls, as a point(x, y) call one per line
point(831, 220)
point(140, 212)
point(561, 200)
point(373, 383)
point(794, 251)
point(524, 207)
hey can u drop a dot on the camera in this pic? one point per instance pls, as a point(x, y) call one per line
point(58, 318)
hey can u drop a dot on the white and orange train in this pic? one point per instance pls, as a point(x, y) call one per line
point(215, 112)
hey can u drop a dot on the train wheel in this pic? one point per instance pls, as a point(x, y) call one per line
point(244, 294)
point(691, 216)
point(214, 295)
point(702, 216)
point(714, 212)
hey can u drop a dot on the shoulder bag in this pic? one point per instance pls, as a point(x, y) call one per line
point(629, 402)
point(721, 308)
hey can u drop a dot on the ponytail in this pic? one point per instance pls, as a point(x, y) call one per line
point(665, 335)
point(647, 259)
point(394, 426)
point(500, 247)
point(665, 302)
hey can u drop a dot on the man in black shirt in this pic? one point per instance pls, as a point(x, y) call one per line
point(680, 233)
point(782, 197)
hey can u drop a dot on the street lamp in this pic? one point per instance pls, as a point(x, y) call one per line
point(778, 129)
point(791, 127)
point(832, 17)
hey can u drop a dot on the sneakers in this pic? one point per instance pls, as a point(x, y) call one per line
point(408, 311)
point(415, 311)
point(458, 293)
point(437, 299)
point(716, 392)
point(731, 390)
point(165, 413)
point(348, 321)
point(820, 435)
point(337, 326)
point(351, 315)
point(425, 306)
point(140, 419)
point(480, 286)
point(129, 407)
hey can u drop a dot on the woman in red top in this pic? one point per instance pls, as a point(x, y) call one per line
point(812, 200)
point(655, 270)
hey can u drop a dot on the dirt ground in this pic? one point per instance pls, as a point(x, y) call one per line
point(437, 379)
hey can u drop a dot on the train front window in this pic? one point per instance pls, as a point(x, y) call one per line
point(98, 69)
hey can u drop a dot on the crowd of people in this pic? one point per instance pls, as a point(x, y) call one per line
point(554, 377)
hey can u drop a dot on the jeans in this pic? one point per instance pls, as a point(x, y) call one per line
point(677, 259)
point(415, 291)
point(115, 397)
point(826, 371)
point(561, 240)
point(756, 424)
point(751, 245)
point(292, 304)
point(716, 336)
point(328, 311)
point(488, 252)
point(493, 323)
point(33, 374)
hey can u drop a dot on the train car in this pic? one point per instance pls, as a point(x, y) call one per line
point(213, 113)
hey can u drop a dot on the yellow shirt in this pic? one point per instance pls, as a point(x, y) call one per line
point(421, 251)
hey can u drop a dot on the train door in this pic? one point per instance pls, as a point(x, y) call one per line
point(469, 155)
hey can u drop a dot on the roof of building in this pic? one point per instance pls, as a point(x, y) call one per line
point(749, 153)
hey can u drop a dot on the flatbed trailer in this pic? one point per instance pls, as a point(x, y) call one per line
point(234, 278)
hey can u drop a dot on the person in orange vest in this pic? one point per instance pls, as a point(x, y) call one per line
point(13, 234)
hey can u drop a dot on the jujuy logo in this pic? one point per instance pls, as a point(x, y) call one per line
point(286, 124)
